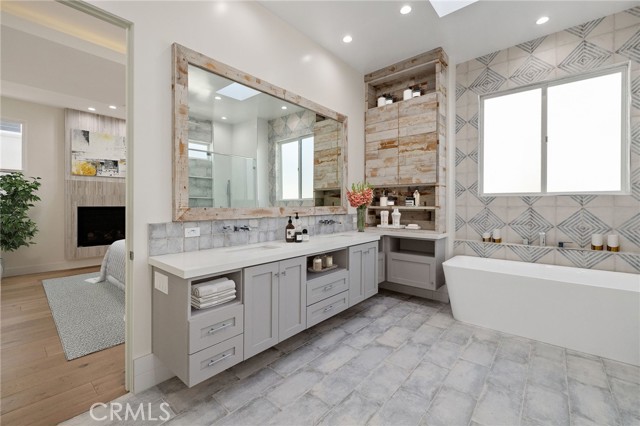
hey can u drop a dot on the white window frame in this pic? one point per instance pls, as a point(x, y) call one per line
point(625, 185)
point(206, 149)
point(280, 143)
point(23, 146)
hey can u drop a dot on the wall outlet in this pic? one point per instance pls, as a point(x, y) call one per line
point(161, 282)
point(191, 232)
point(355, 219)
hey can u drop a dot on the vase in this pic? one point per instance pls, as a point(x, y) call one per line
point(362, 212)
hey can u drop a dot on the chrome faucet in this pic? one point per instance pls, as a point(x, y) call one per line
point(327, 222)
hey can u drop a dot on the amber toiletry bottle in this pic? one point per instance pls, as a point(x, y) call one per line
point(290, 232)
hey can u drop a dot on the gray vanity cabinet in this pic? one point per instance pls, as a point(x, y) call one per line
point(275, 301)
point(363, 272)
point(292, 309)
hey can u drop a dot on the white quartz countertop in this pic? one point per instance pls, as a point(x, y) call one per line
point(405, 233)
point(207, 262)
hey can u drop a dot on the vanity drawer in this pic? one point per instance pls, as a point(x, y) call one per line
point(211, 361)
point(329, 285)
point(208, 328)
point(327, 308)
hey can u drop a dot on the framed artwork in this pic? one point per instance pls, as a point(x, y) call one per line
point(98, 154)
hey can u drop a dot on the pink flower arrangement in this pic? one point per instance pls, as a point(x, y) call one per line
point(361, 195)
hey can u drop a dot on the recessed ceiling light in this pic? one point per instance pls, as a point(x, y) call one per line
point(405, 9)
point(217, 98)
point(91, 109)
point(113, 107)
point(224, 118)
point(283, 107)
point(542, 20)
point(347, 39)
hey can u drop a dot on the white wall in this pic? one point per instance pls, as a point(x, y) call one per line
point(244, 138)
point(44, 133)
point(241, 34)
point(262, 165)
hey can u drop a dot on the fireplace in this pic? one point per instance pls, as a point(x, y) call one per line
point(100, 226)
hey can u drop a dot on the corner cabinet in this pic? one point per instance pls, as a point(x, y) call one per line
point(363, 272)
point(275, 303)
point(405, 141)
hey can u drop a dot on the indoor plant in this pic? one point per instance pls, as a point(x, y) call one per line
point(17, 195)
point(360, 196)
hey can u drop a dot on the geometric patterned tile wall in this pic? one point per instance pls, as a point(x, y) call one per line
point(604, 41)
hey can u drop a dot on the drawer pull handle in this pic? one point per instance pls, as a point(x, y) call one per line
point(327, 288)
point(328, 308)
point(283, 273)
point(215, 361)
point(222, 327)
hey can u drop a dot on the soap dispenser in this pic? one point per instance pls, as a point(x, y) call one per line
point(297, 223)
point(290, 232)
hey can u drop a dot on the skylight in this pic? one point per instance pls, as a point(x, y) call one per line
point(238, 91)
point(445, 7)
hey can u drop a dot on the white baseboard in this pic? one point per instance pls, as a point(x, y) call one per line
point(148, 371)
point(49, 267)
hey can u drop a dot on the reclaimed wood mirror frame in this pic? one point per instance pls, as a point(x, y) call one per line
point(182, 58)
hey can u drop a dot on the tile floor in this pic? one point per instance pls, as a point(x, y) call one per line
point(399, 360)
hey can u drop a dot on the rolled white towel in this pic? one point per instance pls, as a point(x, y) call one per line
point(213, 297)
point(198, 305)
point(211, 287)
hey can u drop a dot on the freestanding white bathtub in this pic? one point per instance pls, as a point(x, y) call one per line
point(596, 312)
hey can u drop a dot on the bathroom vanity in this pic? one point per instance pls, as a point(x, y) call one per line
point(278, 294)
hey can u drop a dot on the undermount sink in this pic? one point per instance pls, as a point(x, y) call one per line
point(252, 248)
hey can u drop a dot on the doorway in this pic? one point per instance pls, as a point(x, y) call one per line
point(39, 376)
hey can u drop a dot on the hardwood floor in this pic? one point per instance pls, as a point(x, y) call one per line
point(38, 385)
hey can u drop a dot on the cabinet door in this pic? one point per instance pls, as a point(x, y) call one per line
point(261, 308)
point(363, 272)
point(412, 270)
point(370, 271)
point(356, 261)
point(292, 298)
point(382, 272)
point(381, 145)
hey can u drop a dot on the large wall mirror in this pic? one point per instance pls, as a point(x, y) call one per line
point(244, 148)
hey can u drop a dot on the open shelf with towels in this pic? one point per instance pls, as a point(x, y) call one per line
point(235, 276)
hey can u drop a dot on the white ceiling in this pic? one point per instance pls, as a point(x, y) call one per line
point(203, 86)
point(55, 55)
point(382, 36)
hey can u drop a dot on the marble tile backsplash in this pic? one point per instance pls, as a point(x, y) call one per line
point(167, 238)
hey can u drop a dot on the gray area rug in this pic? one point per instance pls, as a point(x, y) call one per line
point(89, 316)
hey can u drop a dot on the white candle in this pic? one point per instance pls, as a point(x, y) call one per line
point(486, 236)
point(496, 234)
point(612, 241)
point(596, 240)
